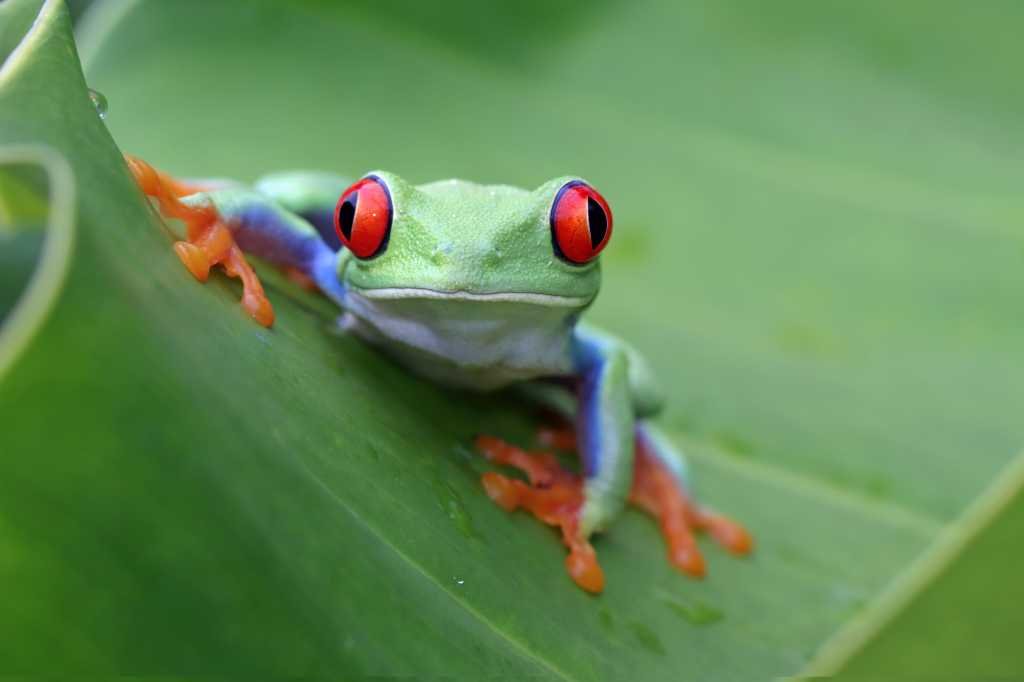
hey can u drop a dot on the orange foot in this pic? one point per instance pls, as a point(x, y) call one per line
point(657, 493)
point(208, 239)
point(555, 495)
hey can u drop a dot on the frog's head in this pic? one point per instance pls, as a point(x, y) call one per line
point(459, 241)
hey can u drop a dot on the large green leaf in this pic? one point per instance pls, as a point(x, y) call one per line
point(831, 307)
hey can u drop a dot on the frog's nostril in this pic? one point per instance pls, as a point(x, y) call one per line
point(442, 252)
point(492, 255)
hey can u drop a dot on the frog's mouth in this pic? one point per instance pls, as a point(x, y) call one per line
point(400, 293)
point(469, 338)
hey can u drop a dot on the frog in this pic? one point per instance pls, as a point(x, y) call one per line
point(478, 288)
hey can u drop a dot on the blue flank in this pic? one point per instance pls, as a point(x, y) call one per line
point(589, 361)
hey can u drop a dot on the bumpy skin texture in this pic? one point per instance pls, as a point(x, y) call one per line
point(469, 290)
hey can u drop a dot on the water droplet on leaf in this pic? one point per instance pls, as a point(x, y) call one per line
point(99, 102)
point(453, 507)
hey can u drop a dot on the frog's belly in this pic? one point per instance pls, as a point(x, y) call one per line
point(476, 346)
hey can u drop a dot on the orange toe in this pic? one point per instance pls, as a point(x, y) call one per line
point(259, 308)
point(502, 490)
point(541, 468)
point(727, 533)
point(194, 259)
point(689, 560)
point(582, 566)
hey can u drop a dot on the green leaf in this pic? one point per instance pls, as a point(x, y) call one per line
point(833, 312)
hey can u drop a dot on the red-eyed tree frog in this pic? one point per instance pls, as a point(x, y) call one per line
point(479, 287)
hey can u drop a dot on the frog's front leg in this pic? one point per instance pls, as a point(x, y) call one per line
point(604, 433)
point(224, 222)
point(263, 228)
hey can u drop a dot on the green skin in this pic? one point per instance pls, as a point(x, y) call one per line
point(470, 293)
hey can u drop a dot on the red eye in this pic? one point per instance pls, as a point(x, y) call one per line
point(362, 217)
point(581, 223)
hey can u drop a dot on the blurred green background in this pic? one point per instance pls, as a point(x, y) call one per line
point(818, 243)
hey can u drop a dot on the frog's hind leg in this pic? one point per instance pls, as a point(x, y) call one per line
point(584, 503)
point(661, 488)
point(208, 240)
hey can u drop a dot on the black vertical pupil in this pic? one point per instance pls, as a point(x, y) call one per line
point(598, 222)
point(347, 215)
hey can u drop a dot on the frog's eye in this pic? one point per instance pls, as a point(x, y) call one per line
point(581, 223)
point(362, 217)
